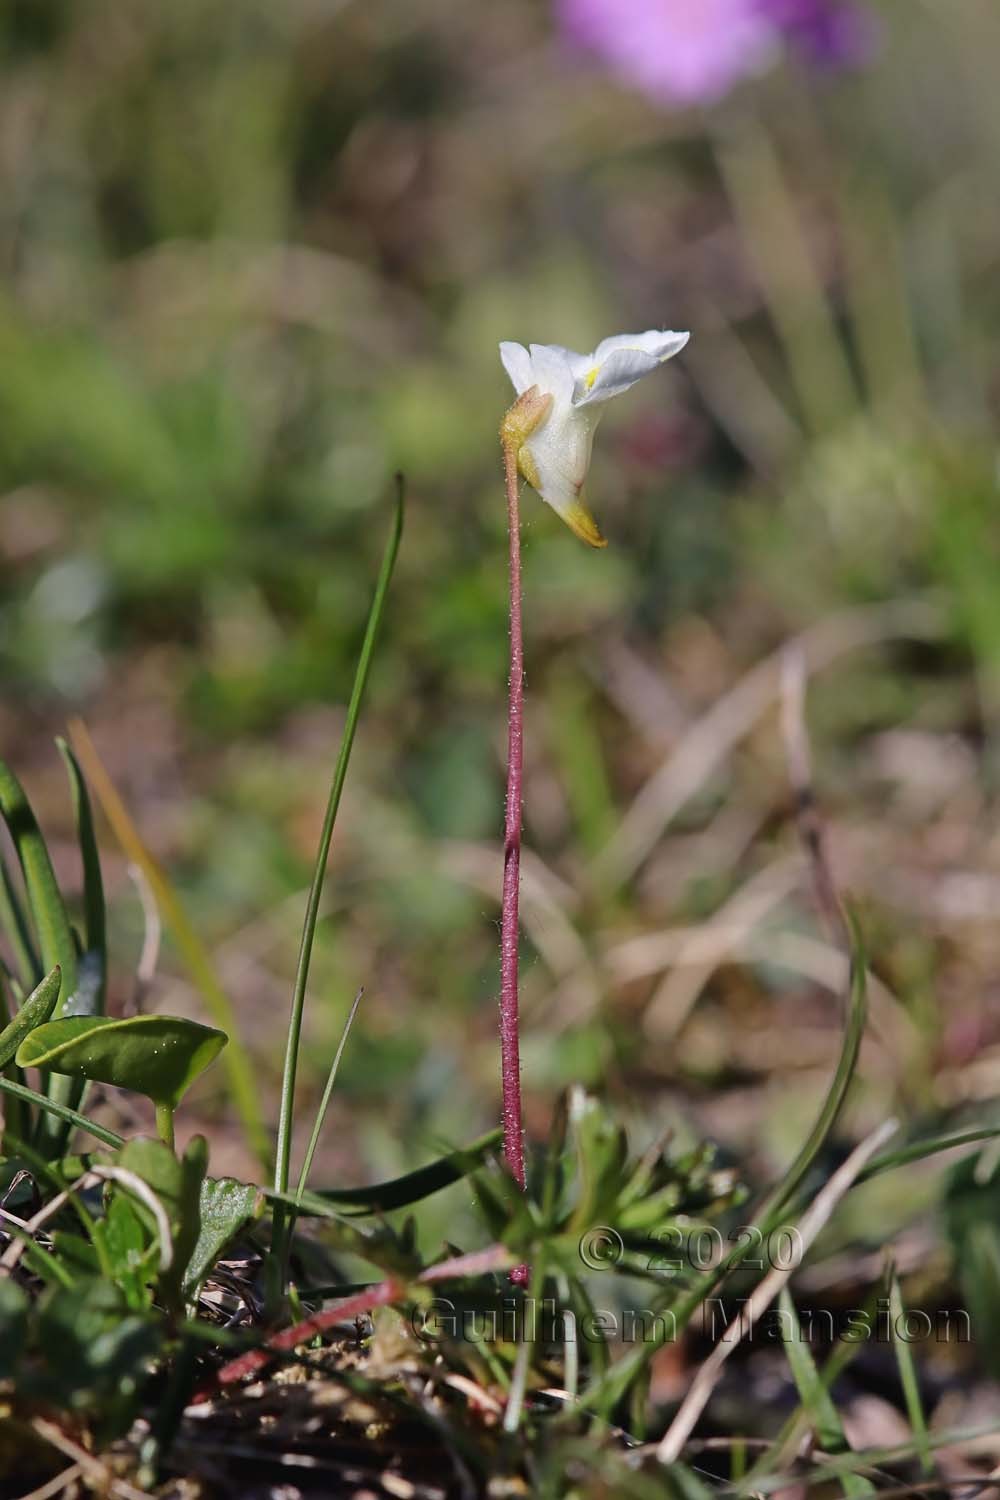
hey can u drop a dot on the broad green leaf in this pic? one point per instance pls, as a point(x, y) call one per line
point(226, 1206)
point(159, 1056)
point(131, 1250)
point(35, 1011)
point(93, 889)
point(177, 1183)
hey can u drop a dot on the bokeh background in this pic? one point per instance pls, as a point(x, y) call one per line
point(257, 257)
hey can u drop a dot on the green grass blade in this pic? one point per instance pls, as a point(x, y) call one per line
point(324, 1103)
point(854, 1027)
point(920, 1150)
point(15, 1116)
point(286, 1111)
point(94, 913)
point(199, 963)
point(317, 1129)
point(52, 928)
point(60, 1112)
point(14, 924)
point(48, 911)
point(869, 1458)
point(908, 1376)
point(788, 1439)
point(815, 1397)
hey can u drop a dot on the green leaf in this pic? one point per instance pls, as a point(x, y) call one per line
point(33, 1013)
point(131, 1250)
point(76, 1253)
point(159, 1056)
point(94, 1354)
point(177, 1183)
point(93, 887)
point(226, 1206)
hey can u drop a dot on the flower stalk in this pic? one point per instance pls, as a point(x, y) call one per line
point(522, 418)
point(547, 435)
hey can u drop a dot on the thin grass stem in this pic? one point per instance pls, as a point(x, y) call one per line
point(287, 1106)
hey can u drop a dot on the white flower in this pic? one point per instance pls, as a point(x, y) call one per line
point(554, 455)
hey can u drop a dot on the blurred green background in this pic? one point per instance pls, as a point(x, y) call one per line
point(257, 257)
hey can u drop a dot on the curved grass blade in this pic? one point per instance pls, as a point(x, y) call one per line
point(605, 1391)
point(35, 1011)
point(857, 1010)
point(399, 1192)
point(94, 913)
point(919, 1150)
point(200, 967)
point(60, 1112)
point(286, 1110)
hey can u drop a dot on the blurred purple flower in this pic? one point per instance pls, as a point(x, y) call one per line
point(694, 51)
point(677, 51)
point(826, 33)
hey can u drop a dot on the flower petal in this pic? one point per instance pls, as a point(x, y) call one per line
point(616, 374)
point(551, 372)
point(661, 343)
point(620, 361)
point(556, 457)
point(579, 364)
point(517, 363)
